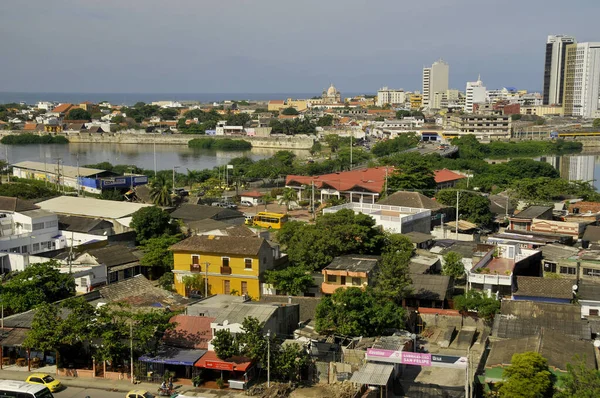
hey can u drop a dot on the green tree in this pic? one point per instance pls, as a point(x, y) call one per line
point(289, 195)
point(157, 255)
point(401, 143)
point(38, 283)
point(253, 340)
point(316, 148)
point(527, 376)
point(357, 312)
point(472, 206)
point(453, 265)
point(580, 381)
point(225, 344)
point(118, 119)
point(393, 279)
point(152, 222)
point(290, 111)
point(44, 334)
point(292, 280)
point(160, 191)
point(290, 360)
point(78, 114)
point(412, 177)
point(473, 300)
point(166, 281)
point(324, 121)
point(596, 123)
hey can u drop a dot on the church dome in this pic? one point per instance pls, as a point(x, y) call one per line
point(332, 91)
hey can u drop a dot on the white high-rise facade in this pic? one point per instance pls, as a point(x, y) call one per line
point(475, 93)
point(582, 80)
point(435, 80)
point(554, 68)
point(390, 96)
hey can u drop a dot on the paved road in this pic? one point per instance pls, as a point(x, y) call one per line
point(78, 392)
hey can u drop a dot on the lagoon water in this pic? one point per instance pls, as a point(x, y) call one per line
point(167, 156)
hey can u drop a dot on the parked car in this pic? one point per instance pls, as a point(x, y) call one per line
point(139, 394)
point(46, 380)
point(246, 203)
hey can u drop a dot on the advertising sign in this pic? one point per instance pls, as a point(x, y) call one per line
point(218, 365)
point(416, 358)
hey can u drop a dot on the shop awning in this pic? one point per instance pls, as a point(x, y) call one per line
point(373, 374)
point(174, 356)
point(211, 361)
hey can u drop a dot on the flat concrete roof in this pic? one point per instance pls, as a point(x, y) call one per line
point(90, 207)
point(68, 171)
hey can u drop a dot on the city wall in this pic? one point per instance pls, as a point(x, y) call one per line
point(303, 142)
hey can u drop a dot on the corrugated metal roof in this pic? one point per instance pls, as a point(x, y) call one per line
point(67, 171)
point(373, 374)
point(90, 207)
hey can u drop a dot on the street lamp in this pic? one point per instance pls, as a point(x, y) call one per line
point(268, 358)
point(174, 167)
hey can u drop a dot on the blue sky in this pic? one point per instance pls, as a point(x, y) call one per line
point(271, 46)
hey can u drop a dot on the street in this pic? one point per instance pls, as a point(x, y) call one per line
point(78, 392)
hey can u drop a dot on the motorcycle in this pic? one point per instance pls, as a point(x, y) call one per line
point(165, 392)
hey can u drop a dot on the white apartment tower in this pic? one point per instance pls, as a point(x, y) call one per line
point(390, 96)
point(435, 80)
point(475, 93)
point(554, 68)
point(582, 80)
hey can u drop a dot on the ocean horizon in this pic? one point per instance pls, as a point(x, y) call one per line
point(31, 98)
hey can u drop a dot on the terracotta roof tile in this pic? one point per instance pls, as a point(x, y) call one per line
point(371, 179)
point(446, 175)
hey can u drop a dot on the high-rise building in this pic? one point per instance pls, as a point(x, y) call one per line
point(475, 93)
point(435, 80)
point(554, 68)
point(390, 96)
point(582, 80)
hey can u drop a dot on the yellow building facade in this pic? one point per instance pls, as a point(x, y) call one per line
point(416, 101)
point(232, 265)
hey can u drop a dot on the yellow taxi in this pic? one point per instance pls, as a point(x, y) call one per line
point(46, 380)
point(139, 394)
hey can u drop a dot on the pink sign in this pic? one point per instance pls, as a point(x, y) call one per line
point(416, 358)
point(377, 353)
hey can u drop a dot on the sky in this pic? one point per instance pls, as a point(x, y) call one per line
point(275, 46)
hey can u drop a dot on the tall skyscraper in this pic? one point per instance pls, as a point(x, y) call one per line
point(554, 68)
point(582, 80)
point(435, 80)
point(475, 93)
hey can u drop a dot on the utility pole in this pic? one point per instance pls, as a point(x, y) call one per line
point(131, 348)
point(206, 264)
point(154, 156)
point(78, 183)
point(313, 199)
point(268, 358)
point(385, 182)
point(351, 152)
point(442, 225)
point(457, 215)
point(7, 168)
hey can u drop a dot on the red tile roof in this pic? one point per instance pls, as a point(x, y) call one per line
point(30, 126)
point(370, 179)
point(62, 108)
point(190, 332)
point(277, 102)
point(446, 175)
point(253, 194)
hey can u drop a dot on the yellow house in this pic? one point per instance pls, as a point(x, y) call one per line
point(416, 101)
point(233, 265)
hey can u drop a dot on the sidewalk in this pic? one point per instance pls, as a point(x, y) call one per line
point(125, 386)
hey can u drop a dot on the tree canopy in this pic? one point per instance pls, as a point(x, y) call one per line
point(38, 283)
point(527, 376)
point(580, 381)
point(78, 114)
point(290, 111)
point(453, 265)
point(356, 312)
point(152, 222)
point(473, 300)
point(292, 280)
point(472, 206)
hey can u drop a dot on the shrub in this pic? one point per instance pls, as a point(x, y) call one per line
point(27, 138)
point(225, 144)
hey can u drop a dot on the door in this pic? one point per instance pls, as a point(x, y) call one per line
point(226, 287)
point(244, 287)
point(343, 280)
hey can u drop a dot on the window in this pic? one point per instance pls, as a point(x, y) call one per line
point(51, 224)
point(13, 250)
point(248, 263)
point(331, 278)
point(593, 312)
point(36, 247)
point(24, 249)
point(196, 259)
point(83, 282)
point(356, 282)
point(38, 226)
point(591, 272)
point(549, 267)
point(244, 287)
point(225, 261)
point(568, 270)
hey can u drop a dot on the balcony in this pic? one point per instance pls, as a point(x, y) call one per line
point(195, 268)
point(225, 270)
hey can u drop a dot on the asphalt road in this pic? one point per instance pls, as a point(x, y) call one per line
point(78, 392)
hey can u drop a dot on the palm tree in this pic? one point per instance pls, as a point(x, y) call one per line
point(160, 191)
point(289, 195)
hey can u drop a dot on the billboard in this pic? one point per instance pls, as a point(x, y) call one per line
point(416, 358)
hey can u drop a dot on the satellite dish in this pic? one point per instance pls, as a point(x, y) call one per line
point(597, 343)
point(575, 287)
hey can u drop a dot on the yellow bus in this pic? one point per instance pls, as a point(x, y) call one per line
point(269, 220)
